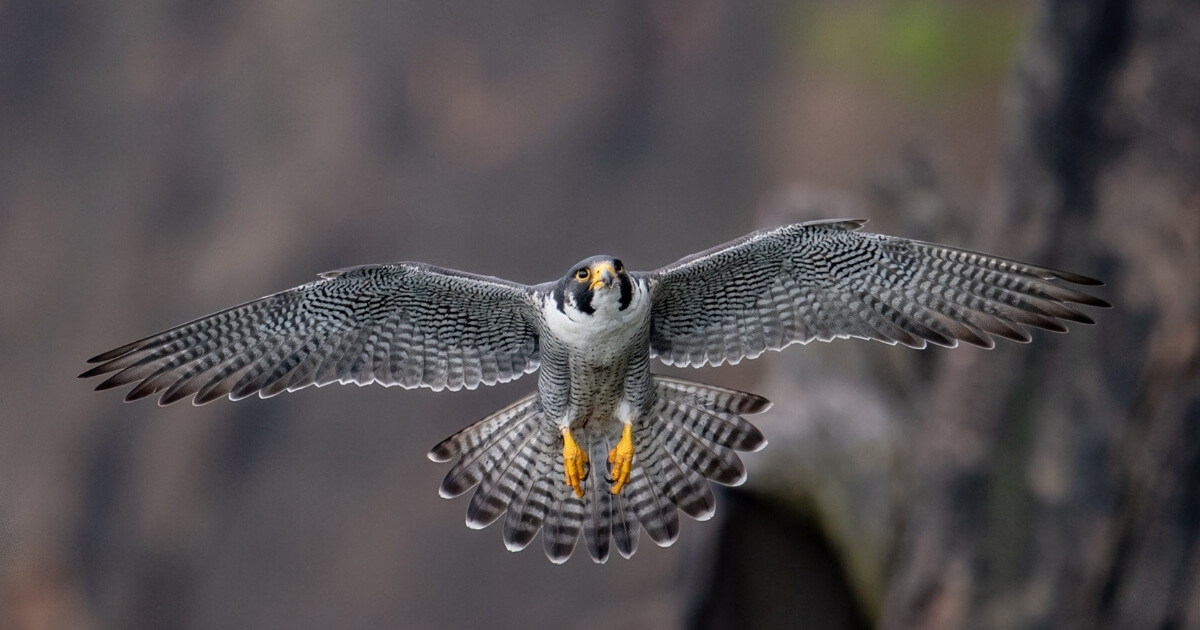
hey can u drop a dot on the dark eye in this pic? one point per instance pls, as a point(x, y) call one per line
point(618, 267)
point(582, 274)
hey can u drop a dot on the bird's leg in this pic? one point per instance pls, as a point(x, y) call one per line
point(620, 459)
point(575, 462)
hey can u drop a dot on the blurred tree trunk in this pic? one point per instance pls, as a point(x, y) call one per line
point(1079, 505)
point(1054, 485)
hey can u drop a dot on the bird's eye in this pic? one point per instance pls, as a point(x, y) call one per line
point(581, 275)
point(618, 267)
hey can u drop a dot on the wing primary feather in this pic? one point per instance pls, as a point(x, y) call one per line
point(827, 280)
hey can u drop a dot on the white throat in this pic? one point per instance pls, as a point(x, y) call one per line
point(606, 326)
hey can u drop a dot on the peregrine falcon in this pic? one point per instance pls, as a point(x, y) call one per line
point(591, 335)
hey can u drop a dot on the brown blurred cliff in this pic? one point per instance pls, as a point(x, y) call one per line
point(163, 159)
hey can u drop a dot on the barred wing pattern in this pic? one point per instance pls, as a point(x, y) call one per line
point(407, 324)
point(825, 280)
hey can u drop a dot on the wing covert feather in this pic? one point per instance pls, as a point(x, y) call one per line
point(407, 324)
point(826, 280)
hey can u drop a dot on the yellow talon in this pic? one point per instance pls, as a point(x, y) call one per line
point(574, 462)
point(621, 460)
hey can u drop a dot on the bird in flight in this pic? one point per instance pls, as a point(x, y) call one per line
point(603, 447)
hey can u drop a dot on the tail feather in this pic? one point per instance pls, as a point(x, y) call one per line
point(718, 427)
point(477, 435)
point(515, 536)
point(711, 397)
point(498, 487)
point(687, 489)
point(528, 508)
point(712, 460)
point(563, 519)
point(626, 530)
point(598, 514)
point(485, 459)
point(653, 508)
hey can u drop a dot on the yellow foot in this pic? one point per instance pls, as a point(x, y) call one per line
point(620, 460)
point(575, 462)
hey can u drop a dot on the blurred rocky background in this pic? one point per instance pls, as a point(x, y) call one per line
point(162, 159)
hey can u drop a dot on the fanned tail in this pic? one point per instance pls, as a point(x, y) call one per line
point(514, 457)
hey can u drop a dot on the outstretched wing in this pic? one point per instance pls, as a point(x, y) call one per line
point(406, 324)
point(825, 280)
